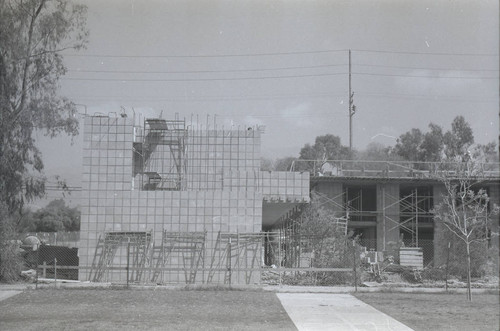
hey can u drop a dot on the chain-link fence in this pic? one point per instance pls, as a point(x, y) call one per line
point(201, 258)
point(244, 258)
point(45, 262)
point(66, 239)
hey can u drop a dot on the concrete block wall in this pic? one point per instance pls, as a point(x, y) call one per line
point(224, 193)
point(211, 154)
point(107, 173)
point(283, 186)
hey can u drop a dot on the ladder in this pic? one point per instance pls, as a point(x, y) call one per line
point(341, 223)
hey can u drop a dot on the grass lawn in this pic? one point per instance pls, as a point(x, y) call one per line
point(423, 311)
point(143, 310)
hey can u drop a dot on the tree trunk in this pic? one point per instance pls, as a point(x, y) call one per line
point(469, 294)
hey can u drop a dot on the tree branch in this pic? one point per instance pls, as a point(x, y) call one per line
point(27, 62)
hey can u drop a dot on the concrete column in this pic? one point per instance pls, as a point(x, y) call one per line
point(494, 194)
point(439, 228)
point(387, 214)
point(333, 191)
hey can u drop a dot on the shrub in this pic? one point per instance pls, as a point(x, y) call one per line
point(434, 274)
point(481, 256)
point(11, 261)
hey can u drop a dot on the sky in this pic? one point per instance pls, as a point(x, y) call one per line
point(284, 65)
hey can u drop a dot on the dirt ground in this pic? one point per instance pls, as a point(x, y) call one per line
point(143, 310)
point(423, 311)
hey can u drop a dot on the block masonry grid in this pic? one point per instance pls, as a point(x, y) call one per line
point(221, 190)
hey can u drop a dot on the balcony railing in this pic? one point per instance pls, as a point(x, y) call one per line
point(388, 169)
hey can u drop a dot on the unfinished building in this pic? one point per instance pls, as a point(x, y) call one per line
point(389, 204)
point(167, 202)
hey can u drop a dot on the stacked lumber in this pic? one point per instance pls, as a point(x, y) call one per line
point(411, 257)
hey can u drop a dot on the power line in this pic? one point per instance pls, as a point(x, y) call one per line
point(199, 79)
point(424, 53)
point(61, 189)
point(277, 54)
point(420, 76)
point(218, 98)
point(124, 80)
point(316, 115)
point(422, 68)
point(205, 55)
point(429, 97)
point(215, 98)
point(205, 71)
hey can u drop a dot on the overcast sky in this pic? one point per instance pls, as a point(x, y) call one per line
point(284, 65)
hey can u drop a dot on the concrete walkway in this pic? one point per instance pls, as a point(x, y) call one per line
point(8, 293)
point(324, 311)
point(9, 290)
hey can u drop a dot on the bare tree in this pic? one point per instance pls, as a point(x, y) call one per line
point(465, 209)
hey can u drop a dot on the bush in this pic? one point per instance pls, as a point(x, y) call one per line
point(11, 261)
point(482, 258)
point(411, 276)
point(434, 274)
point(407, 274)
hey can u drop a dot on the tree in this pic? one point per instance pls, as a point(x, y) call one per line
point(408, 145)
point(376, 151)
point(284, 164)
point(323, 235)
point(431, 148)
point(11, 263)
point(465, 209)
point(459, 139)
point(266, 164)
point(32, 35)
point(326, 147)
point(56, 216)
point(485, 153)
point(417, 146)
point(281, 164)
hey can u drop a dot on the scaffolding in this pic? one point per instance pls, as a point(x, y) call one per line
point(188, 247)
point(138, 245)
point(236, 251)
point(160, 158)
point(347, 208)
point(414, 209)
point(360, 203)
point(415, 205)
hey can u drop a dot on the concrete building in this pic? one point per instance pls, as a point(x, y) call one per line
point(168, 202)
point(389, 203)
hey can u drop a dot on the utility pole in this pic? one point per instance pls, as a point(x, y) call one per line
point(352, 107)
